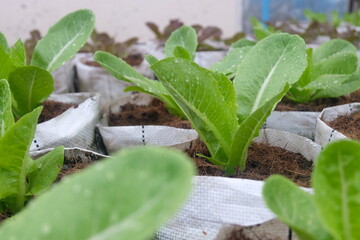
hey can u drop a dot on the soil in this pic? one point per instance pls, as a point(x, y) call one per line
point(349, 125)
point(263, 160)
point(71, 168)
point(53, 109)
point(319, 104)
point(154, 114)
point(4, 216)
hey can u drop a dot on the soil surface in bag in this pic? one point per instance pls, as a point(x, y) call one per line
point(52, 109)
point(317, 105)
point(153, 114)
point(263, 160)
point(349, 125)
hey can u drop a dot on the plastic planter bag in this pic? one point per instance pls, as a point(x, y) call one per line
point(72, 155)
point(64, 78)
point(301, 123)
point(73, 128)
point(116, 138)
point(92, 78)
point(324, 133)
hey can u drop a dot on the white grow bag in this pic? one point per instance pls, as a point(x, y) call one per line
point(301, 123)
point(73, 128)
point(64, 77)
point(324, 133)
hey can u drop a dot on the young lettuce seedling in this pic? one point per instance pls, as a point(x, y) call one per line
point(332, 212)
point(332, 71)
point(228, 115)
point(181, 42)
point(260, 30)
point(20, 176)
point(127, 196)
point(32, 84)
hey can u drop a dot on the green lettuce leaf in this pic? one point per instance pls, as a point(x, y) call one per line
point(331, 70)
point(29, 86)
point(248, 130)
point(63, 40)
point(184, 37)
point(123, 71)
point(229, 64)
point(4, 43)
point(272, 63)
point(6, 116)
point(6, 64)
point(18, 54)
point(43, 171)
point(336, 183)
point(127, 196)
point(206, 98)
point(14, 147)
point(294, 207)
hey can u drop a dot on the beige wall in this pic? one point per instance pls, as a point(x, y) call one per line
point(120, 18)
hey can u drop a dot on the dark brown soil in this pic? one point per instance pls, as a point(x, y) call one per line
point(53, 109)
point(319, 104)
point(4, 216)
point(349, 125)
point(263, 161)
point(154, 114)
point(72, 168)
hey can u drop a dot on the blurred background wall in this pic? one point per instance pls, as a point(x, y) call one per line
point(120, 18)
point(123, 19)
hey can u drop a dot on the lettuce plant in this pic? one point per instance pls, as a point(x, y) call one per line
point(127, 196)
point(20, 176)
point(353, 17)
point(226, 114)
point(260, 30)
point(332, 212)
point(103, 42)
point(182, 42)
point(331, 72)
point(315, 16)
point(31, 84)
point(203, 34)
